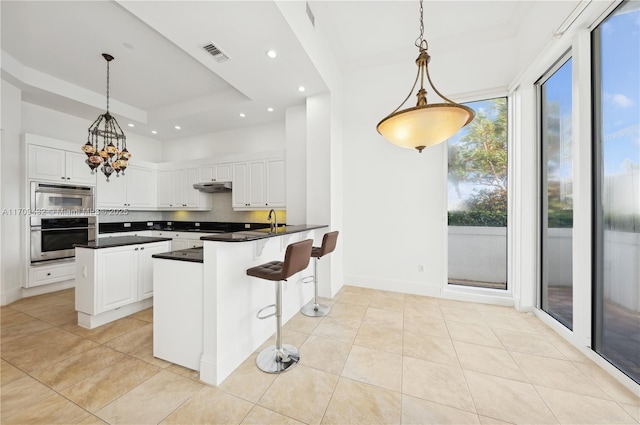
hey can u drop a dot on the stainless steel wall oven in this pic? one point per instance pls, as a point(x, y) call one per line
point(59, 199)
point(52, 238)
point(60, 217)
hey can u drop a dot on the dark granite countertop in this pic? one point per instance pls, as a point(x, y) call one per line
point(101, 243)
point(193, 255)
point(252, 235)
point(179, 226)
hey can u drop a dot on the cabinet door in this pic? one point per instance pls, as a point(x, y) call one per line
point(165, 188)
point(140, 188)
point(112, 193)
point(77, 170)
point(192, 195)
point(223, 172)
point(145, 267)
point(257, 196)
point(178, 185)
point(117, 277)
point(46, 163)
point(207, 173)
point(240, 180)
point(275, 183)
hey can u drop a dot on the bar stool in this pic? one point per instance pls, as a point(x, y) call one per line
point(329, 241)
point(281, 357)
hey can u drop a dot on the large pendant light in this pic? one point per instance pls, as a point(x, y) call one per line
point(106, 129)
point(425, 124)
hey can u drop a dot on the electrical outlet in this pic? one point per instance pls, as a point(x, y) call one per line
point(127, 224)
point(420, 268)
point(247, 226)
point(149, 223)
point(197, 224)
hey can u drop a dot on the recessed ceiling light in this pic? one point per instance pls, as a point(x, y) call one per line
point(177, 127)
point(242, 115)
point(128, 45)
point(131, 125)
point(272, 54)
point(154, 132)
point(270, 109)
point(301, 89)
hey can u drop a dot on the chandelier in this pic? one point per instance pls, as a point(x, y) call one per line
point(106, 129)
point(424, 124)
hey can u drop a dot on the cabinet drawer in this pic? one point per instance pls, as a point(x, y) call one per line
point(42, 275)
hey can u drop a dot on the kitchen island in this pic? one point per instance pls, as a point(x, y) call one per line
point(114, 277)
point(230, 331)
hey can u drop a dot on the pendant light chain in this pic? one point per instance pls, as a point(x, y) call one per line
point(107, 86)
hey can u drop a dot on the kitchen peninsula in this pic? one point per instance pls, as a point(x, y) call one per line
point(227, 331)
point(114, 277)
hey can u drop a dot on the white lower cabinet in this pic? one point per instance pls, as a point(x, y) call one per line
point(51, 273)
point(114, 282)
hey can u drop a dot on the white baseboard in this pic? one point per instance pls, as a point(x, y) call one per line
point(90, 322)
point(45, 289)
point(437, 290)
point(407, 287)
point(10, 296)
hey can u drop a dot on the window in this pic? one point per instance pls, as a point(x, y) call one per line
point(616, 209)
point(477, 198)
point(556, 193)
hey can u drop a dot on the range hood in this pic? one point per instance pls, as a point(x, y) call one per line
point(213, 187)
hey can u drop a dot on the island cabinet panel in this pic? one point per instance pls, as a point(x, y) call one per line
point(117, 276)
point(114, 282)
point(145, 268)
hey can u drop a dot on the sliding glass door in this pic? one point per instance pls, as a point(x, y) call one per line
point(616, 210)
point(556, 184)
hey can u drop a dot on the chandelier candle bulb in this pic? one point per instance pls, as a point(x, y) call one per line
point(425, 124)
point(114, 155)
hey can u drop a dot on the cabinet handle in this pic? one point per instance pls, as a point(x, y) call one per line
point(49, 274)
point(68, 178)
point(142, 249)
point(62, 178)
point(136, 249)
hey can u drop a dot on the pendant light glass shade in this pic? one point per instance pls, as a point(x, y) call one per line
point(425, 124)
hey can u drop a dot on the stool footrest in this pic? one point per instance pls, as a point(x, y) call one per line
point(308, 279)
point(268, 315)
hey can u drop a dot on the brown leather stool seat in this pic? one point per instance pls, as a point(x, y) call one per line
point(281, 357)
point(329, 241)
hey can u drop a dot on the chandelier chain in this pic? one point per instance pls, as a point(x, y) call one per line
point(107, 86)
point(421, 43)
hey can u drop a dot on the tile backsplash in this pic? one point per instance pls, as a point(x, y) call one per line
point(114, 216)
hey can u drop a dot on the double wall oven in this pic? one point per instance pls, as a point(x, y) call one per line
point(61, 216)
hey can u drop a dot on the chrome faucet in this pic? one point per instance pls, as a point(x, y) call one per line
point(273, 226)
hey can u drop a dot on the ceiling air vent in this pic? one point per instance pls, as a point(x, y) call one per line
point(215, 51)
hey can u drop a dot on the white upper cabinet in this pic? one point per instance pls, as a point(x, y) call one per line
point(134, 190)
point(58, 165)
point(176, 192)
point(216, 172)
point(259, 184)
point(275, 183)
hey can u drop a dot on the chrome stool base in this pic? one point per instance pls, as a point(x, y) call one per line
point(272, 360)
point(315, 310)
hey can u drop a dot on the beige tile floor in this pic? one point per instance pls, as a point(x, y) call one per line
point(379, 357)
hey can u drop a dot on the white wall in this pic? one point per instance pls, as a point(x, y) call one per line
point(11, 156)
point(48, 122)
point(259, 138)
point(296, 163)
